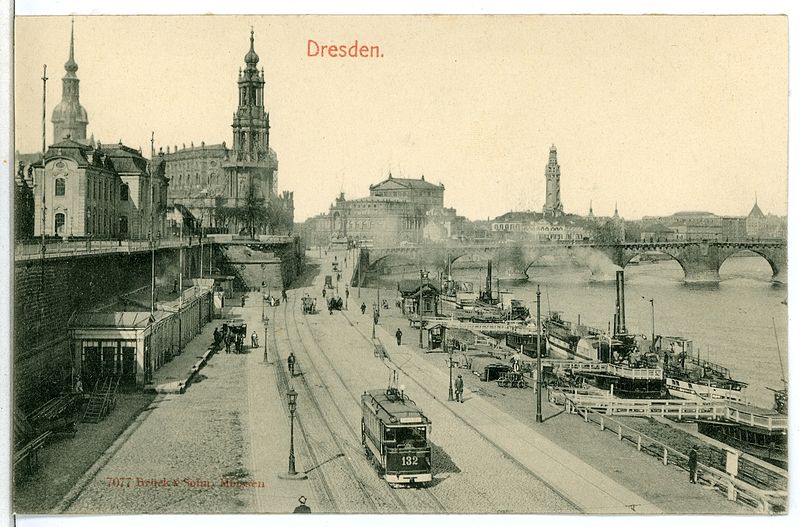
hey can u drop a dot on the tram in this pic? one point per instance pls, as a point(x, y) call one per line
point(394, 432)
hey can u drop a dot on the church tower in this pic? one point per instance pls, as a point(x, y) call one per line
point(69, 117)
point(552, 173)
point(251, 121)
point(253, 164)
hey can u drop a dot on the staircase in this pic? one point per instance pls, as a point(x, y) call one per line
point(102, 399)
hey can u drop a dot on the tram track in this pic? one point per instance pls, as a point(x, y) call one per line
point(283, 388)
point(407, 499)
point(501, 450)
point(337, 447)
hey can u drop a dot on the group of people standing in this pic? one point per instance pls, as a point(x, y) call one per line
point(228, 338)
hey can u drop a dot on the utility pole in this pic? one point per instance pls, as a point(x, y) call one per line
point(152, 235)
point(419, 307)
point(538, 355)
point(44, 151)
point(180, 287)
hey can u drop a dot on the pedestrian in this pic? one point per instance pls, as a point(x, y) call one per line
point(242, 300)
point(302, 508)
point(254, 340)
point(216, 337)
point(175, 286)
point(363, 308)
point(693, 465)
point(283, 295)
point(228, 344)
point(290, 362)
point(323, 292)
point(459, 389)
point(78, 385)
point(399, 336)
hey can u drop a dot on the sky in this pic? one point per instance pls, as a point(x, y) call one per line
point(658, 114)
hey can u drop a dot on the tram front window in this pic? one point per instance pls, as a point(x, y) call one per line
point(411, 436)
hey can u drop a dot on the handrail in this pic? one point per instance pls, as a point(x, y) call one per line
point(763, 499)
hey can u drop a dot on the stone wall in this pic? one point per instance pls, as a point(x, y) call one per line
point(46, 294)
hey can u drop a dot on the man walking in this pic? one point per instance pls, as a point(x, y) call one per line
point(290, 361)
point(399, 336)
point(459, 389)
point(242, 299)
point(283, 296)
point(254, 340)
point(693, 465)
point(363, 308)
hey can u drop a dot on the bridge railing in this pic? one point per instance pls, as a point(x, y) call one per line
point(62, 249)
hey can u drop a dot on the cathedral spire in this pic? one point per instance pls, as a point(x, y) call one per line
point(69, 117)
point(71, 66)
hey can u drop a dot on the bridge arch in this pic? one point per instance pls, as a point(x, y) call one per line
point(774, 264)
point(628, 256)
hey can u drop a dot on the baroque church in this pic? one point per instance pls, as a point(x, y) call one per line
point(79, 189)
point(210, 180)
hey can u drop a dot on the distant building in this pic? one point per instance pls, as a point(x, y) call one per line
point(657, 232)
point(210, 181)
point(552, 174)
point(397, 210)
point(759, 225)
point(539, 227)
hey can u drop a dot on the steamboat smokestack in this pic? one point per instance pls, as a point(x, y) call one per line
point(489, 282)
point(621, 302)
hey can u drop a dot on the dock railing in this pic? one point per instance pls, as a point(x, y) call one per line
point(765, 500)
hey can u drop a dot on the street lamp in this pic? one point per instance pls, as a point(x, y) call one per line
point(266, 339)
point(291, 398)
point(450, 354)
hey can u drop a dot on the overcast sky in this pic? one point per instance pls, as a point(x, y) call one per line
point(660, 114)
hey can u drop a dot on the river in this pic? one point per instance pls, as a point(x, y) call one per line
point(730, 324)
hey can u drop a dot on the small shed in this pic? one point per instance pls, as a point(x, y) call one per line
point(409, 291)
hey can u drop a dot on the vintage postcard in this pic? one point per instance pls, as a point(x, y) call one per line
point(527, 264)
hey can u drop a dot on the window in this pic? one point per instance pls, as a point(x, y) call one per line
point(60, 187)
point(60, 219)
point(123, 192)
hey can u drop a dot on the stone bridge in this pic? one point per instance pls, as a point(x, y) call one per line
point(700, 260)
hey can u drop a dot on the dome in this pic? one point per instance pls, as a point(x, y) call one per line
point(252, 57)
point(70, 111)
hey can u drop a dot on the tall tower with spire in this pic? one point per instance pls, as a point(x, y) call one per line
point(252, 161)
point(552, 174)
point(69, 117)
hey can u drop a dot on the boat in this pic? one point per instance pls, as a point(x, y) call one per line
point(689, 377)
point(611, 361)
point(458, 295)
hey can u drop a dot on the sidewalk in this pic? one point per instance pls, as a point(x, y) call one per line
point(180, 367)
point(217, 448)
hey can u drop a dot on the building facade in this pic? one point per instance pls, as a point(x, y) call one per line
point(214, 181)
point(82, 191)
point(397, 210)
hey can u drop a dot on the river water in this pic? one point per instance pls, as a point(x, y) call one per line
point(730, 324)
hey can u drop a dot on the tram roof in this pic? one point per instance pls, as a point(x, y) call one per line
point(403, 411)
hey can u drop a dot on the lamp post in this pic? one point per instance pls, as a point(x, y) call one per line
point(538, 356)
point(652, 326)
point(291, 398)
point(450, 355)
